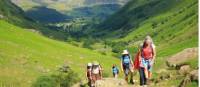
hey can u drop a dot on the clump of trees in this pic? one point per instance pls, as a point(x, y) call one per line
point(119, 47)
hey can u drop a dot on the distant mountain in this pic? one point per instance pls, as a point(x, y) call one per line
point(97, 11)
point(15, 15)
point(67, 9)
point(46, 15)
point(65, 4)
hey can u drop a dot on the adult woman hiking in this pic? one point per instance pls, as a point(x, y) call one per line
point(126, 65)
point(96, 73)
point(146, 58)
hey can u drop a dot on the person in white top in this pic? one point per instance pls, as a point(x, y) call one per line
point(96, 72)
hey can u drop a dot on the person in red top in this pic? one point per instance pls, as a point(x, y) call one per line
point(147, 57)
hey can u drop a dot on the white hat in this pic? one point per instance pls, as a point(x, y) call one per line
point(89, 64)
point(125, 52)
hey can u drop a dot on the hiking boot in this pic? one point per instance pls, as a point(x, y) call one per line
point(132, 81)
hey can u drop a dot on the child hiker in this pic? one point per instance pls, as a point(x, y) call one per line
point(115, 71)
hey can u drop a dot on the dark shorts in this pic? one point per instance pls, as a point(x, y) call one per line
point(127, 68)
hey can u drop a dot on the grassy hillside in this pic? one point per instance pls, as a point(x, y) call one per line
point(173, 25)
point(15, 15)
point(137, 13)
point(26, 55)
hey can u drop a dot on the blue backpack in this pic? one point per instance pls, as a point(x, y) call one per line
point(126, 59)
point(115, 70)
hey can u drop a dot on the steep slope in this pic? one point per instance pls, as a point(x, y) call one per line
point(14, 14)
point(139, 12)
point(26, 55)
point(173, 25)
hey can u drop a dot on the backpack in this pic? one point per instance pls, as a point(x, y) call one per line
point(96, 69)
point(126, 59)
point(136, 61)
point(115, 70)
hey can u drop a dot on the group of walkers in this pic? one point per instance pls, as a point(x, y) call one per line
point(94, 73)
point(143, 62)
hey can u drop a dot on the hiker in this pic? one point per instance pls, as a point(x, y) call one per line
point(147, 57)
point(115, 71)
point(126, 65)
point(96, 73)
point(89, 74)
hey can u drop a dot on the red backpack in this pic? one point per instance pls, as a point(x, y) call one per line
point(136, 61)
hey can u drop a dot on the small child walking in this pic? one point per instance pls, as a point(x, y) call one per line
point(115, 71)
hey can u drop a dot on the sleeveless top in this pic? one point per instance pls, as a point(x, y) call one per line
point(147, 52)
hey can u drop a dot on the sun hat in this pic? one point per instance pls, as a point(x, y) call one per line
point(89, 64)
point(125, 52)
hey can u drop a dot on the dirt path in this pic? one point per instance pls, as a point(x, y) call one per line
point(111, 82)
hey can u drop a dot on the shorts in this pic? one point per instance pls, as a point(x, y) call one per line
point(146, 63)
point(96, 77)
point(127, 68)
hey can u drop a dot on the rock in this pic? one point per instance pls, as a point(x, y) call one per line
point(182, 57)
point(194, 75)
point(163, 74)
point(184, 70)
point(161, 71)
point(1, 16)
point(111, 82)
point(34, 31)
point(185, 81)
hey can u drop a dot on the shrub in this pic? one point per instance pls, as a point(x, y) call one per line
point(45, 81)
point(118, 47)
point(58, 79)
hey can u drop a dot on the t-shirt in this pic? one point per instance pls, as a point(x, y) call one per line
point(96, 70)
point(115, 70)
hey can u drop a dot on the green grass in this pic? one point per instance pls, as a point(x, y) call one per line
point(173, 25)
point(192, 84)
point(24, 54)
